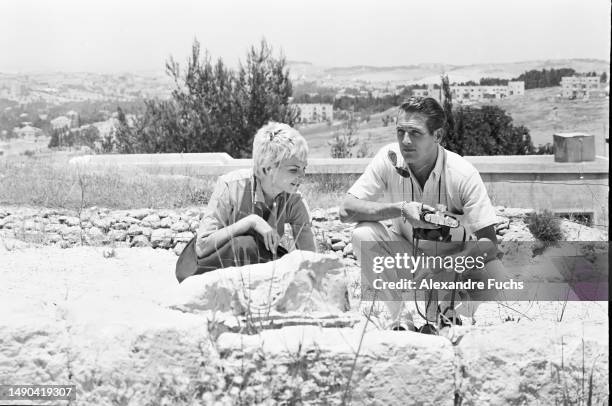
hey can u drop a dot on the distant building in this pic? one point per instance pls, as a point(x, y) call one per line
point(580, 86)
point(475, 92)
point(315, 112)
point(27, 132)
point(60, 122)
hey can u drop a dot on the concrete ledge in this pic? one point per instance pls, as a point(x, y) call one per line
point(219, 163)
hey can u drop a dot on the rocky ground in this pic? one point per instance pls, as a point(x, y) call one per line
point(80, 306)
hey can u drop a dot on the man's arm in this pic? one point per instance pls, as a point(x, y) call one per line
point(354, 210)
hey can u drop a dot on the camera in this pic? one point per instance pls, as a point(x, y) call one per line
point(439, 218)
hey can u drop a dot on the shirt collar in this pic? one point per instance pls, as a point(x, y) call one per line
point(437, 170)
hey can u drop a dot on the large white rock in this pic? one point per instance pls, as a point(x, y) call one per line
point(301, 281)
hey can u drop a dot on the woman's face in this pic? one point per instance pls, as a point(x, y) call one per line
point(286, 178)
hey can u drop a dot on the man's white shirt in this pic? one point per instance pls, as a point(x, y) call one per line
point(453, 182)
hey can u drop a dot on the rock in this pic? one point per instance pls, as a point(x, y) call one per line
point(194, 225)
point(53, 228)
point(335, 237)
point(117, 235)
point(134, 229)
point(102, 223)
point(108, 252)
point(146, 231)
point(185, 236)
point(129, 220)
point(548, 362)
point(162, 237)
point(333, 213)
point(339, 246)
point(348, 250)
point(29, 225)
point(69, 220)
point(502, 223)
point(502, 231)
point(318, 215)
point(140, 241)
point(139, 213)
point(4, 220)
point(301, 282)
point(95, 233)
point(179, 247)
point(165, 213)
point(152, 221)
point(166, 222)
point(120, 225)
point(180, 226)
point(52, 238)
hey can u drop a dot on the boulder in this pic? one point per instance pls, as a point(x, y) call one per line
point(179, 247)
point(301, 282)
point(185, 236)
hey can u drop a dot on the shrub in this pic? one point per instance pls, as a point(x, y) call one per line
point(545, 226)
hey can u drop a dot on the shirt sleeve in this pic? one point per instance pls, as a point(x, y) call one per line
point(478, 212)
point(218, 212)
point(301, 224)
point(372, 183)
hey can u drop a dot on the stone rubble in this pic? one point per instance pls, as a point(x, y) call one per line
point(170, 229)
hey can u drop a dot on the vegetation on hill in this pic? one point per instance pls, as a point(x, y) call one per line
point(482, 131)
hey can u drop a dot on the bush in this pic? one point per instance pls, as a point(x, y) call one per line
point(545, 226)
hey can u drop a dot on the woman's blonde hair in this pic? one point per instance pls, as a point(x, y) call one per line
point(274, 143)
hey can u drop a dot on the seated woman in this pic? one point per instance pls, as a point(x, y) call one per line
point(248, 209)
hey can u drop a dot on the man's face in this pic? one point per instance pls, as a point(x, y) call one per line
point(288, 176)
point(416, 143)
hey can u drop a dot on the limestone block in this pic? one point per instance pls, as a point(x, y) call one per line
point(185, 236)
point(179, 247)
point(301, 281)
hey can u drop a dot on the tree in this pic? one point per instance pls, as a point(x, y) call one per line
point(343, 142)
point(482, 131)
point(212, 107)
point(603, 78)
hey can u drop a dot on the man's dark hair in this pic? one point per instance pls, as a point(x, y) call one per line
point(429, 107)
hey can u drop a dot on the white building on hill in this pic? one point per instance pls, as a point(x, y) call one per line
point(580, 86)
point(315, 112)
point(28, 132)
point(476, 92)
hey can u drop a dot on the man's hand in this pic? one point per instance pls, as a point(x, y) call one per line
point(411, 212)
point(269, 235)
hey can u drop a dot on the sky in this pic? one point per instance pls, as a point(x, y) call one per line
point(111, 36)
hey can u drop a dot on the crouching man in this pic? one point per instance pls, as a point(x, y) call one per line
point(414, 174)
point(248, 209)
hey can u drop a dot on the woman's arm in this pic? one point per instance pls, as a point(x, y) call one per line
point(206, 245)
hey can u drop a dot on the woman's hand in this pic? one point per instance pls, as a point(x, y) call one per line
point(270, 236)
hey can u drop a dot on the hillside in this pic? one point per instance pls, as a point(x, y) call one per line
point(428, 72)
point(540, 110)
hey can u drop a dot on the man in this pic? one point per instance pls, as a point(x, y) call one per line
point(413, 175)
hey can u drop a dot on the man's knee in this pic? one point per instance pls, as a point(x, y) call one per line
point(367, 231)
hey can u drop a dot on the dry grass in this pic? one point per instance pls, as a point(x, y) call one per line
point(49, 181)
